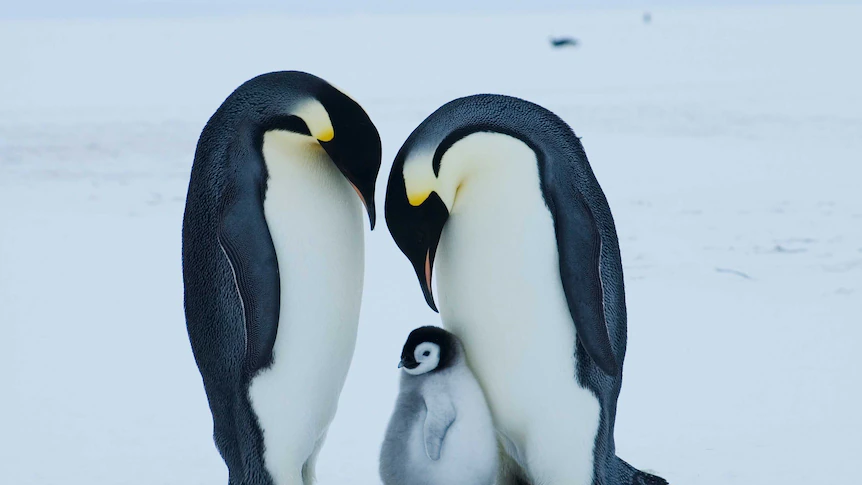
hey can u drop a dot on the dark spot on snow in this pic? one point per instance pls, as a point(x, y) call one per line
point(733, 272)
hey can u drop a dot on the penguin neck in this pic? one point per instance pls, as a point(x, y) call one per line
point(292, 155)
point(489, 172)
point(499, 242)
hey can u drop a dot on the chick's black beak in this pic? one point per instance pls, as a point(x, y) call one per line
point(408, 363)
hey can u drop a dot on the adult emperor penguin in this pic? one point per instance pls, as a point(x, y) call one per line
point(273, 261)
point(497, 191)
point(441, 432)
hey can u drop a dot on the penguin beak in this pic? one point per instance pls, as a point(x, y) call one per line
point(372, 211)
point(359, 165)
point(408, 363)
point(416, 230)
point(424, 268)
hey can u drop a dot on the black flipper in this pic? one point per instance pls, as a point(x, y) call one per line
point(579, 243)
point(245, 238)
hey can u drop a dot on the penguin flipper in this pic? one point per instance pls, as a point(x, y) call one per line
point(439, 417)
point(245, 239)
point(580, 245)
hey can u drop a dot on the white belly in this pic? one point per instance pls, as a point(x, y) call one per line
point(315, 220)
point(500, 292)
point(469, 453)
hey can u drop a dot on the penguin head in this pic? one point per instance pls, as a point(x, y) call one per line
point(307, 105)
point(429, 349)
point(460, 142)
point(419, 199)
point(352, 142)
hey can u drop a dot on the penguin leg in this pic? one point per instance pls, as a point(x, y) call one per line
point(507, 477)
point(291, 474)
point(224, 434)
point(235, 434)
point(510, 473)
point(561, 453)
point(308, 475)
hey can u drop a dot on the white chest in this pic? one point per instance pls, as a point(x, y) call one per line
point(500, 291)
point(469, 453)
point(315, 221)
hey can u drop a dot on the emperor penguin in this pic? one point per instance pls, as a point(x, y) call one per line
point(497, 192)
point(273, 267)
point(441, 432)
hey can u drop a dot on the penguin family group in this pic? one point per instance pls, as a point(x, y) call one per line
point(494, 193)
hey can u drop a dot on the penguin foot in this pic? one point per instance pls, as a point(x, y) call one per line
point(628, 474)
point(643, 478)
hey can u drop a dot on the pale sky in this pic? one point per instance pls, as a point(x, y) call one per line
point(185, 8)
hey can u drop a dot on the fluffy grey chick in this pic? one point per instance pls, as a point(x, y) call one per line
point(441, 432)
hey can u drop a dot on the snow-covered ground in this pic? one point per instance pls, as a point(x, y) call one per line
point(728, 142)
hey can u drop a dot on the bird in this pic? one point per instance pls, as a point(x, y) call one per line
point(273, 267)
point(441, 431)
point(558, 42)
point(497, 196)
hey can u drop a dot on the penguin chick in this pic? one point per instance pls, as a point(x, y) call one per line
point(441, 432)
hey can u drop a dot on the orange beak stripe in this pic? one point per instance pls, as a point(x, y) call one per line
point(428, 269)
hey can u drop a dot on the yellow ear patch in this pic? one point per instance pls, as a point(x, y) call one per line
point(325, 135)
point(316, 118)
point(419, 179)
point(418, 197)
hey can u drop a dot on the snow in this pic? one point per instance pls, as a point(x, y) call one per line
point(728, 142)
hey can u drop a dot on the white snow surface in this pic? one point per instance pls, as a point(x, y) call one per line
point(728, 142)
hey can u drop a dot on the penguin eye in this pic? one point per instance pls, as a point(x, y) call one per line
point(426, 353)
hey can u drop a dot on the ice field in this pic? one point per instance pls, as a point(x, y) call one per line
point(727, 140)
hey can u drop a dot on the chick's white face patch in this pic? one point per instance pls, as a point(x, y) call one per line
point(427, 354)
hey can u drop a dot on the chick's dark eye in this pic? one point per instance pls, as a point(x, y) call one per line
point(426, 353)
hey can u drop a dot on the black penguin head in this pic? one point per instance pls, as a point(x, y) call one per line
point(419, 199)
point(437, 159)
point(419, 196)
point(305, 104)
point(429, 349)
point(354, 146)
point(416, 229)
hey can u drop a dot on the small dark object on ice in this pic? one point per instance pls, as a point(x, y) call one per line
point(563, 41)
point(734, 272)
point(647, 17)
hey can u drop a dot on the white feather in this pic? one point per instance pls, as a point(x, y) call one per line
point(500, 292)
point(315, 219)
point(469, 454)
point(426, 364)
